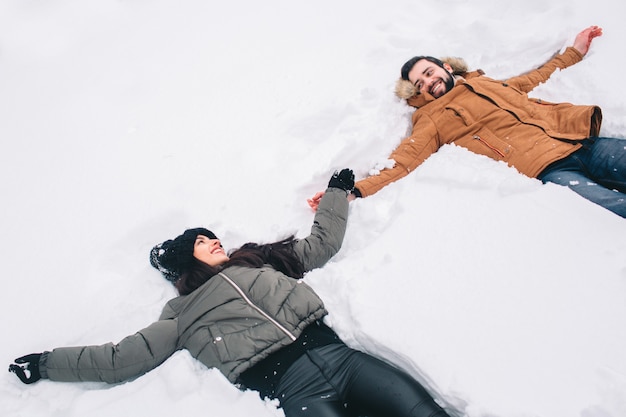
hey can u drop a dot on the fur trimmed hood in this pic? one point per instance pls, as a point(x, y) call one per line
point(405, 89)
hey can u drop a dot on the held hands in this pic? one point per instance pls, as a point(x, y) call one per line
point(315, 201)
point(28, 363)
point(343, 180)
point(584, 38)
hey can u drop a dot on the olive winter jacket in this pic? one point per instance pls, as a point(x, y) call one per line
point(232, 322)
point(496, 119)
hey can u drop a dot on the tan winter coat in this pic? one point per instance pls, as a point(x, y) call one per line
point(492, 118)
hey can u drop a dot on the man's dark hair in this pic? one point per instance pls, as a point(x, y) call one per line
point(408, 66)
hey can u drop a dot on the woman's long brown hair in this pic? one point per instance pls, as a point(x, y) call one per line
point(280, 255)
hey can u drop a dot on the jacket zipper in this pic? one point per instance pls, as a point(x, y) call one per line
point(257, 308)
point(484, 142)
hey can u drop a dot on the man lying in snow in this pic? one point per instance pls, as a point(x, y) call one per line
point(554, 142)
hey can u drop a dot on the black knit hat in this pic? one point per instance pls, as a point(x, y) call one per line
point(173, 257)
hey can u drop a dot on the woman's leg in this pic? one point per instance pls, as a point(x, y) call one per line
point(316, 409)
point(367, 386)
point(336, 381)
point(304, 391)
point(377, 389)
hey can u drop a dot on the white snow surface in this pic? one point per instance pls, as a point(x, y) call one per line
point(124, 122)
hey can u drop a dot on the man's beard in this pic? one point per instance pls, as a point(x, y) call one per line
point(447, 82)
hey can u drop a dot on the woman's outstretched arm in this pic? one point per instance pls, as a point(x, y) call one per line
point(329, 224)
point(112, 363)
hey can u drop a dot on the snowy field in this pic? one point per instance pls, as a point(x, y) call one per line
point(124, 122)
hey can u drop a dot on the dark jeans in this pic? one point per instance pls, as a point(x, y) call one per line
point(336, 381)
point(597, 172)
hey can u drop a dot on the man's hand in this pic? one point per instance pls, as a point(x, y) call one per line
point(344, 180)
point(584, 38)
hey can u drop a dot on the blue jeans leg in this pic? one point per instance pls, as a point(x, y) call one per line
point(597, 172)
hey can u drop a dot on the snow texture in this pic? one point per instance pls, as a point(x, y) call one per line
point(124, 122)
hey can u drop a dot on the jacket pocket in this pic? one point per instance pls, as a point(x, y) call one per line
point(216, 339)
point(460, 112)
point(207, 346)
point(238, 345)
point(200, 345)
point(484, 142)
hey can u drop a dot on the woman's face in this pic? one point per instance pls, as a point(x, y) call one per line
point(209, 251)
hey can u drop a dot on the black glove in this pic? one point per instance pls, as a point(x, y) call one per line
point(343, 180)
point(32, 366)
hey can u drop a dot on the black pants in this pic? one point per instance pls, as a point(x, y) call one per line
point(336, 381)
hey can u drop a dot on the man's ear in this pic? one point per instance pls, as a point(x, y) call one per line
point(448, 67)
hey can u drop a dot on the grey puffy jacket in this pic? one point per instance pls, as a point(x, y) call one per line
point(232, 322)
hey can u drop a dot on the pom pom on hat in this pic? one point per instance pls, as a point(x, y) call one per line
point(173, 257)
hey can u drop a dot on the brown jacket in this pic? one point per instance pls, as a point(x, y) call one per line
point(496, 119)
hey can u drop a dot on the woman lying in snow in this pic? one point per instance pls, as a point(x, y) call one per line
point(252, 317)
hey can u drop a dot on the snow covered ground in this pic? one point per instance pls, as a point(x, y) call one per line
point(123, 122)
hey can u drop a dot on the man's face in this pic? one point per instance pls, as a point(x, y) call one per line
point(429, 77)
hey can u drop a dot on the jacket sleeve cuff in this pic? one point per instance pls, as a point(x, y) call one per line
point(576, 55)
point(43, 369)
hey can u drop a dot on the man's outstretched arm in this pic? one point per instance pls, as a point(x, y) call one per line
point(571, 56)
